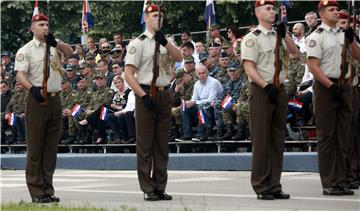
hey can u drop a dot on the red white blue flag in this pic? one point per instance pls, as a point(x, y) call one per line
point(36, 8)
point(295, 104)
point(227, 102)
point(201, 117)
point(11, 119)
point(75, 111)
point(142, 21)
point(103, 113)
point(87, 19)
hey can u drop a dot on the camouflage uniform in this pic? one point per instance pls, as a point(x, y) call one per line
point(101, 97)
point(65, 103)
point(9, 78)
point(17, 106)
point(214, 70)
point(294, 74)
point(222, 76)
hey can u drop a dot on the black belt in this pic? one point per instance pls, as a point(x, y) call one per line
point(158, 88)
point(52, 94)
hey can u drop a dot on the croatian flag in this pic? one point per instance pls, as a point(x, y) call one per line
point(11, 119)
point(201, 117)
point(227, 102)
point(87, 19)
point(103, 113)
point(295, 104)
point(36, 8)
point(183, 105)
point(142, 21)
point(75, 111)
point(209, 14)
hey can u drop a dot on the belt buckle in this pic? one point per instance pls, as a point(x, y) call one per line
point(161, 88)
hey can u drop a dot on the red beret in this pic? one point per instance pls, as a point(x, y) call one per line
point(152, 8)
point(343, 14)
point(39, 17)
point(260, 3)
point(327, 3)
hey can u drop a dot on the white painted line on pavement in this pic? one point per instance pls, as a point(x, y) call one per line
point(218, 195)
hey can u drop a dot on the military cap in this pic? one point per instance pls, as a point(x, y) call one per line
point(327, 3)
point(39, 17)
point(115, 53)
point(215, 45)
point(203, 56)
point(232, 66)
point(223, 54)
point(100, 75)
point(70, 67)
point(74, 56)
point(5, 53)
point(343, 14)
point(188, 59)
point(84, 64)
point(226, 45)
point(79, 78)
point(65, 78)
point(260, 3)
point(179, 74)
point(153, 8)
point(89, 55)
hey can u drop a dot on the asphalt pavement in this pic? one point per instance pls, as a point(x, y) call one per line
point(192, 190)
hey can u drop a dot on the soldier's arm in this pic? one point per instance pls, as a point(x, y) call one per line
point(132, 81)
point(250, 70)
point(314, 67)
point(355, 50)
point(9, 106)
point(64, 48)
point(291, 46)
point(174, 52)
point(22, 78)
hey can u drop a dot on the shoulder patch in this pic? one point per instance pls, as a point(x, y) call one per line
point(20, 57)
point(142, 37)
point(256, 32)
point(132, 50)
point(250, 43)
point(312, 43)
point(319, 30)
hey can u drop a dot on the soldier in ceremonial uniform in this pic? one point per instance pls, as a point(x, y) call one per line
point(42, 118)
point(153, 112)
point(267, 101)
point(332, 97)
point(16, 105)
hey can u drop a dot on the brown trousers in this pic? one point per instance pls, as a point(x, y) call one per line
point(268, 123)
point(333, 119)
point(152, 136)
point(354, 146)
point(43, 128)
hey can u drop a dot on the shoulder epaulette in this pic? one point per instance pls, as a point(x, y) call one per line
point(256, 32)
point(142, 37)
point(319, 30)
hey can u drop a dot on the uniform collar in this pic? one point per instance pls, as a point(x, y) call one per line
point(264, 30)
point(329, 29)
point(149, 34)
point(37, 42)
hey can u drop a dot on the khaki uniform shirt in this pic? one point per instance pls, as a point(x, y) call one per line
point(258, 46)
point(30, 59)
point(140, 54)
point(326, 44)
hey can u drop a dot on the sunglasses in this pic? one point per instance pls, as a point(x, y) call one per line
point(89, 59)
point(106, 47)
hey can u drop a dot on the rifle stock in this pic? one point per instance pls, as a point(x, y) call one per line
point(278, 62)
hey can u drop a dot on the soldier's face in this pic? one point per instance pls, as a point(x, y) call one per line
point(233, 75)
point(190, 65)
point(40, 28)
point(81, 84)
point(224, 62)
point(152, 20)
point(342, 23)
point(266, 13)
point(330, 14)
point(65, 85)
point(100, 82)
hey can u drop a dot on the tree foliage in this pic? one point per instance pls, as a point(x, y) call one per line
point(124, 17)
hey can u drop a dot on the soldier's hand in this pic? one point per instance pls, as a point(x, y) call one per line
point(50, 40)
point(349, 34)
point(335, 90)
point(36, 93)
point(281, 29)
point(159, 37)
point(271, 92)
point(147, 102)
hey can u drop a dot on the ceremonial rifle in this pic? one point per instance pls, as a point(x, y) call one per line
point(352, 72)
point(278, 61)
point(156, 60)
point(344, 53)
point(46, 69)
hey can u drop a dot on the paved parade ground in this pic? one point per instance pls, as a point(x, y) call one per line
point(192, 190)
